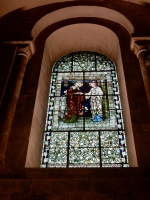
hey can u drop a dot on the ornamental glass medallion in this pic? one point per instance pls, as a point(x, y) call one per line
point(84, 124)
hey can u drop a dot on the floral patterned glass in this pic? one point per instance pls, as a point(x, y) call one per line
point(84, 124)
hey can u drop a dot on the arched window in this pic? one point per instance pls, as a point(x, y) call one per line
point(84, 124)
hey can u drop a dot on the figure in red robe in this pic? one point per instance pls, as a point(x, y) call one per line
point(74, 102)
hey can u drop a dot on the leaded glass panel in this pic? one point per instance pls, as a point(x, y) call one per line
point(84, 156)
point(84, 124)
point(84, 139)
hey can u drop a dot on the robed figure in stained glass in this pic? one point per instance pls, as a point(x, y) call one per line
point(74, 102)
point(79, 103)
point(95, 95)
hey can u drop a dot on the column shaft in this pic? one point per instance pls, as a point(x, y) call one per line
point(145, 73)
point(11, 103)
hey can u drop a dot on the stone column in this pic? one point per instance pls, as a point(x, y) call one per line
point(141, 48)
point(24, 53)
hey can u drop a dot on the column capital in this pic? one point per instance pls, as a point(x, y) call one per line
point(140, 44)
point(24, 48)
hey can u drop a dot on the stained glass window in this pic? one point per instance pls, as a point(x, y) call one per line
point(84, 124)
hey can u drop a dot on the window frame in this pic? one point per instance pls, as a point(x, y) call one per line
point(96, 54)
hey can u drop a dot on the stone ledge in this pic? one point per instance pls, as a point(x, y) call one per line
point(77, 173)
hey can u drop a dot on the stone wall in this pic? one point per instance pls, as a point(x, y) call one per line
point(75, 184)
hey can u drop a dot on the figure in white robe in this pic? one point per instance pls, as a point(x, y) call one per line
point(96, 95)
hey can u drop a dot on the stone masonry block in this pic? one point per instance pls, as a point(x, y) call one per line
point(4, 196)
point(8, 186)
point(37, 173)
point(122, 187)
point(140, 117)
point(102, 187)
point(41, 186)
point(62, 186)
point(83, 185)
point(24, 186)
point(142, 186)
